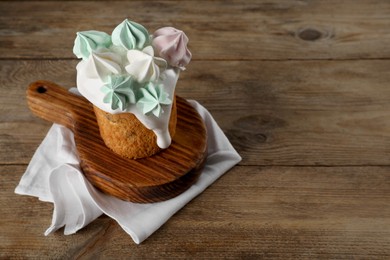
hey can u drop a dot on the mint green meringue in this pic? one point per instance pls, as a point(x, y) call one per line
point(130, 35)
point(88, 41)
point(119, 92)
point(153, 96)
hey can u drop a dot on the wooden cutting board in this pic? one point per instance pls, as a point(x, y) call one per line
point(156, 178)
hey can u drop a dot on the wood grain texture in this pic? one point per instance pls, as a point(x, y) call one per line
point(251, 212)
point(151, 179)
point(283, 29)
point(303, 83)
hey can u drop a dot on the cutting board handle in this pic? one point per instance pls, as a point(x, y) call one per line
point(53, 103)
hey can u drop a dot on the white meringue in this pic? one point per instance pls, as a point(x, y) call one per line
point(143, 66)
point(102, 64)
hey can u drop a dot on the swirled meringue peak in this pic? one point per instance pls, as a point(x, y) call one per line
point(171, 44)
point(143, 66)
point(153, 97)
point(102, 64)
point(88, 41)
point(130, 35)
point(119, 92)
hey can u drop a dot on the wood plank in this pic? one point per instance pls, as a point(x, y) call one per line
point(283, 29)
point(253, 212)
point(274, 113)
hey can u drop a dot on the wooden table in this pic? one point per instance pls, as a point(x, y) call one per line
point(302, 90)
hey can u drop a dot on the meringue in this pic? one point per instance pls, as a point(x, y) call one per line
point(102, 64)
point(143, 66)
point(171, 44)
point(88, 41)
point(130, 35)
point(153, 98)
point(119, 92)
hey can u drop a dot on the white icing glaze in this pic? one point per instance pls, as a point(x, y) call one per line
point(89, 87)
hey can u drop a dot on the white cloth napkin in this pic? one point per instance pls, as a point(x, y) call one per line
point(54, 175)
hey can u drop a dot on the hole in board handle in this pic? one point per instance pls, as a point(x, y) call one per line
point(41, 89)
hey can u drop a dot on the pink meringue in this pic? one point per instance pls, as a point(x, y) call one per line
point(171, 44)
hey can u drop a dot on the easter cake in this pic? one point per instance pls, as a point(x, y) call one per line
point(130, 78)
